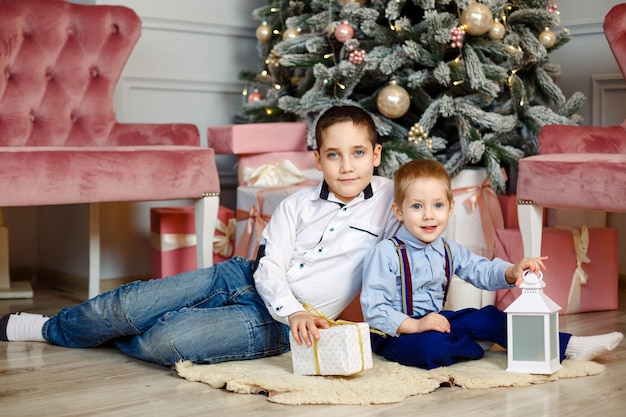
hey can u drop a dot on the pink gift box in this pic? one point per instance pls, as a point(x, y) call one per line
point(600, 291)
point(173, 239)
point(258, 137)
point(303, 161)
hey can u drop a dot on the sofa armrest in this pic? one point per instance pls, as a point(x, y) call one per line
point(134, 134)
point(582, 139)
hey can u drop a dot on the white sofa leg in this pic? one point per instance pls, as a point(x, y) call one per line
point(19, 289)
point(530, 218)
point(94, 250)
point(206, 209)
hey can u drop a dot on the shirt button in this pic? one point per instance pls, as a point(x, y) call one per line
point(301, 266)
point(344, 209)
point(332, 229)
point(320, 250)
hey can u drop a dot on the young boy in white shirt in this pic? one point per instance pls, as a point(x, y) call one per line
point(419, 332)
point(312, 252)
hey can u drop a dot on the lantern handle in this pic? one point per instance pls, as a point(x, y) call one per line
point(531, 277)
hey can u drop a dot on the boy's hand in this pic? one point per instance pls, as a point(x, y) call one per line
point(431, 321)
point(303, 322)
point(514, 273)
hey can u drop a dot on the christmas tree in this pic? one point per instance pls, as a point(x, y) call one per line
point(465, 82)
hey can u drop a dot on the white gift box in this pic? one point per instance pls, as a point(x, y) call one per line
point(475, 201)
point(255, 206)
point(341, 350)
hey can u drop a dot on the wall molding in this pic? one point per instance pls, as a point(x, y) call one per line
point(601, 86)
point(587, 26)
point(205, 27)
point(172, 83)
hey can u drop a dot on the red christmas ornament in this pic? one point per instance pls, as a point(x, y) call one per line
point(344, 32)
point(256, 95)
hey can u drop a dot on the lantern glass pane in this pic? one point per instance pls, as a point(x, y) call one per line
point(528, 338)
point(554, 334)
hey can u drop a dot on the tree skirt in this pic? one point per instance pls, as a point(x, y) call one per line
point(387, 382)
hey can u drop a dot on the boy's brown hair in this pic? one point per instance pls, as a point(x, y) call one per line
point(338, 114)
point(419, 169)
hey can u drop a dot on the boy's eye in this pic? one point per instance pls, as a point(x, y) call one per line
point(416, 206)
point(359, 152)
point(333, 155)
point(439, 205)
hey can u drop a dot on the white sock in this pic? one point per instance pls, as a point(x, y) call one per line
point(585, 348)
point(23, 327)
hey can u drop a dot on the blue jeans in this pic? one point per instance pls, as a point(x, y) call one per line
point(205, 316)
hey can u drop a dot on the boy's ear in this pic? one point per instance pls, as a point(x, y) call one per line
point(452, 203)
point(378, 151)
point(397, 211)
point(318, 162)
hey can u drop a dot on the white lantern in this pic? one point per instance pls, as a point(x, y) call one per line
point(533, 329)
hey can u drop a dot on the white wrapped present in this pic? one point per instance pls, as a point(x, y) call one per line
point(343, 349)
point(255, 206)
point(477, 212)
point(477, 216)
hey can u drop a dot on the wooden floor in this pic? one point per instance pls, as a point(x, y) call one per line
point(37, 379)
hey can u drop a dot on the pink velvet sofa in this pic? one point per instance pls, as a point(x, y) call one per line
point(580, 167)
point(60, 142)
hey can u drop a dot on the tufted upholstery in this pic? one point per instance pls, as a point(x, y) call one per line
point(60, 142)
point(580, 167)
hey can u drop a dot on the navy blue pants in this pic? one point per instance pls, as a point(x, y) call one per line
point(432, 349)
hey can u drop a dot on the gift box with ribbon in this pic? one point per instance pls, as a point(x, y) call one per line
point(582, 267)
point(477, 216)
point(173, 239)
point(343, 349)
point(274, 169)
point(255, 206)
point(477, 212)
point(254, 138)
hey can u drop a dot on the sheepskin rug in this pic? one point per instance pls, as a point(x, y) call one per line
point(387, 382)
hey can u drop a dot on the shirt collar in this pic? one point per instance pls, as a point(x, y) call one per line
point(368, 192)
point(405, 236)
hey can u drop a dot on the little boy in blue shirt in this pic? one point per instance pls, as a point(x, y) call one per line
point(418, 331)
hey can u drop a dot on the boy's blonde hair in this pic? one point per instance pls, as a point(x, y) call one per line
point(338, 114)
point(419, 169)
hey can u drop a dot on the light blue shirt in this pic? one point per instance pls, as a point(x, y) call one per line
point(381, 293)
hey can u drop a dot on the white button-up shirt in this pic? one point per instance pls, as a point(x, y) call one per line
point(315, 246)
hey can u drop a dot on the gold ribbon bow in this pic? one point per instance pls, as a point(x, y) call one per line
point(170, 241)
point(281, 173)
point(331, 322)
point(222, 243)
point(580, 277)
point(485, 199)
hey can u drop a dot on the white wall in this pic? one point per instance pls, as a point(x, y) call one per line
point(184, 69)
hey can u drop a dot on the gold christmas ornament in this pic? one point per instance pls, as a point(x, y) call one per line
point(476, 19)
point(264, 32)
point(496, 31)
point(547, 38)
point(393, 101)
point(291, 33)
